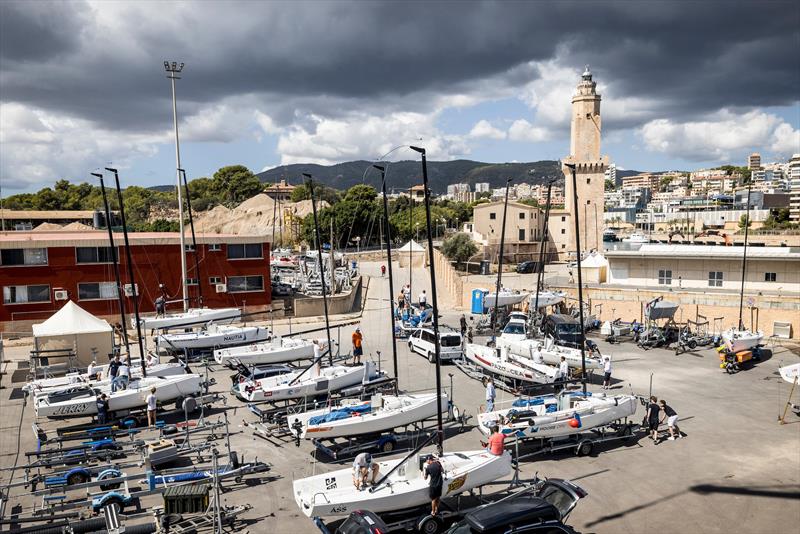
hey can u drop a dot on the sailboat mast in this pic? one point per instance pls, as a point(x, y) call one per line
point(410, 239)
point(194, 241)
point(542, 245)
point(389, 263)
point(310, 185)
point(115, 261)
point(500, 262)
point(434, 300)
point(174, 69)
point(744, 255)
point(582, 330)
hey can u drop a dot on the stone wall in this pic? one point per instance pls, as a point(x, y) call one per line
point(337, 304)
point(448, 281)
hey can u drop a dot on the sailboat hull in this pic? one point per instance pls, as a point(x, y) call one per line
point(739, 340)
point(278, 388)
point(277, 351)
point(220, 336)
point(333, 493)
point(487, 359)
point(551, 355)
point(193, 316)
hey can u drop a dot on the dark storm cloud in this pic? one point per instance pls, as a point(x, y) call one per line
point(690, 57)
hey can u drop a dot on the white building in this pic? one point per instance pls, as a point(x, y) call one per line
point(482, 187)
point(454, 189)
point(793, 179)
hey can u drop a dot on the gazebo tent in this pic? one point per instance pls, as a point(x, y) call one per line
point(413, 252)
point(594, 269)
point(72, 327)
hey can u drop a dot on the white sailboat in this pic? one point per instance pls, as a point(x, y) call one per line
point(738, 340)
point(76, 379)
point(547, 298)
point(790, 373)
point(545, 351)
point(213, 336)
point(506, 298)
point(192, 316)
point(357, 417)
point(309, 383)
point(488, 358)
point(548, 416)
point(333, 493)
point(276, 350)
point(82, 399)
point(636, 238)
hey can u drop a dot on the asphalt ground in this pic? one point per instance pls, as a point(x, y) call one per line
point(735, 470)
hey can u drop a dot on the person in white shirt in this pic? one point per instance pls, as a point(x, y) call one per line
point(563, 371)
point(124, 375)
point(491, 394)
point(607, 372)
point(316, 350)
point(152, 406)
point(362, 466)
point(91, 372)
point(151, 360)
point(423, 300)
point(537, 355)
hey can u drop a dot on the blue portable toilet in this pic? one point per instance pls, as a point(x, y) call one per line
point(477, 300)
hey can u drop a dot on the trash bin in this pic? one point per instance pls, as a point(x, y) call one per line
point(485, 267)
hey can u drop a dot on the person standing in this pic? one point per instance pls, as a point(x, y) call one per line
point(152, 407)
point(383, 271)
point(672, 420)
point(317, 351)
point(435, 472)
point(102, 409)
point(161, 306)
point(652, 419)
point(563, 372)
point(113, 369)
point(124, 375)
point(606, 372)
point(423, 300)
point(463, 322)
point(358, 348)
point(470, 335)
point(491, 394)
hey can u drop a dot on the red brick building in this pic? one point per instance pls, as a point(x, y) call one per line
point(40, 271)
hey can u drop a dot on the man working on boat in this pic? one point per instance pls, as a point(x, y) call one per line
point(497, 442)
point(358, 350)
point(435, 471)
point(362, 466)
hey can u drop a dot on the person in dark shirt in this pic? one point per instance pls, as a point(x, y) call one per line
point(653, 418)
point(463, 322)
point(672, 420)
point(102, 409)
point(113, 367)
point(435, 471)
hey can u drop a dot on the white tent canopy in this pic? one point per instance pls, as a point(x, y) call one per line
point(411, 252)
point(411, 246)
point(72, 327)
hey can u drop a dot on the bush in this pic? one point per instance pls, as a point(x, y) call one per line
point(459, 248)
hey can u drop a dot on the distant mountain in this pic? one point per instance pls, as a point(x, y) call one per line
point(404, 174)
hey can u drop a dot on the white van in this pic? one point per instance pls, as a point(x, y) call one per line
point(422, 341)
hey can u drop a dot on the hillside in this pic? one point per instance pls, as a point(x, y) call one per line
point(403, 174)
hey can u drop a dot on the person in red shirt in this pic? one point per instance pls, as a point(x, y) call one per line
point(497, 442)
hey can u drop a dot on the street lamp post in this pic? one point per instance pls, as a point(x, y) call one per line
point(173, 69)
point(389, 263)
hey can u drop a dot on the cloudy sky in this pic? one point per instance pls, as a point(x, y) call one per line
point(684, 84)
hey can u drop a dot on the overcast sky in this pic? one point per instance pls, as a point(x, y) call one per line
point(684, 84)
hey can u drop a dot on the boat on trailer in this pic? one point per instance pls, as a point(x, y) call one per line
point(82, 400)
point(550, 416)
point(545, 351)
point(193, 316)
point(547, 298)
point(505, 298)
point(353, 417)
point(738, 340)
point(75, 379)
point(309, 382)
point(276, 350)
point(496, 361)
point(333, 493)
point(213, 336)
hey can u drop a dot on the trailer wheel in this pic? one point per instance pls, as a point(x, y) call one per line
point(430, 525)
point(77, 478)
point(388, 446)
point(584, 448)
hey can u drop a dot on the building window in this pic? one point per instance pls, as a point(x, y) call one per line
point(770, 277)
point(214, 247)
point(189, 247)
point(192, 281)
point(245, 251)
point(243, 284)
point(588, 202)
point(492, 216)
point(563, 246)
point(522, 215)
point(522, 234)
point(23, 294)
point(563, 218)
point(715, 279)
point(213, 280)
point(563, 230)
point(665, 277)
point(23, 256)
point(97, 291)
point(588, 180)
point(93, 255)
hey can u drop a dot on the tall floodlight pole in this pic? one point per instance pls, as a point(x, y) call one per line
point(410, 239)
point(434, 299)
point(389, 262)
point(500, 261)
point(129, 261)
point(173, 69)
point(744, 256)
point(572, 167)
point(310, 185)
point(115, 261)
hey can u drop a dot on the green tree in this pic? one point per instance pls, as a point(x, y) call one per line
point(459, 248)
point(744, 222)
point(235, 184)
point(610, 185)
point(321, 192)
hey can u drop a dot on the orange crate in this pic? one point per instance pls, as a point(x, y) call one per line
point(744, 356)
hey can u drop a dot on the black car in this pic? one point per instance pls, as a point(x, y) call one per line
point(564, 329)
point(541, 509)
point(527, 267)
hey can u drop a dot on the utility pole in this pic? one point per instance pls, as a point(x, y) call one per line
point(173, 69)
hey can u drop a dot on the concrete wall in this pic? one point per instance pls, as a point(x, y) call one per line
point(337, 304)
point(448, 282)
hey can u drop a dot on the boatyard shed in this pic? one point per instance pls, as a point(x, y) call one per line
point(74, 328)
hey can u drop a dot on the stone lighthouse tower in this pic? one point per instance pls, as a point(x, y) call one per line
point(590, 166)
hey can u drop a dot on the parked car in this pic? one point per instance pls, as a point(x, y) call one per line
point(527, 267)
point(564, 329)
point(362, 522)
point(422, 342)
point(540, 510)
